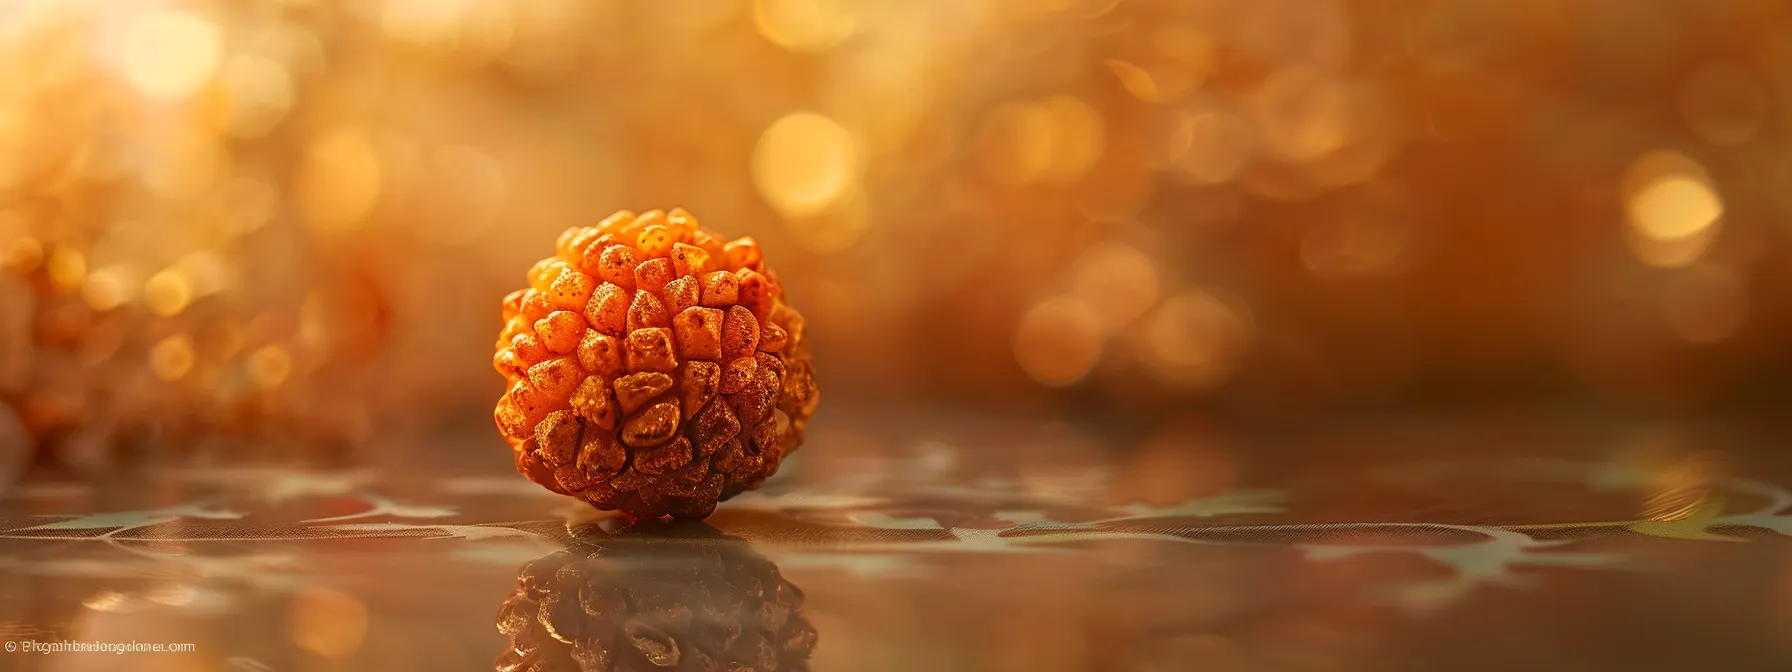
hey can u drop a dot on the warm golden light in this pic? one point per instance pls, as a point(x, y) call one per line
point(339, 181)
point(836, 229)
point(107, 600)
point(24, 254)
point(327, 622)
point(246, 204)
point(488, 29)
point(1705, 303)
point(327, 196)
point(882, 90)
point(423, 22)
point(108, 287)
point(269, 366)
point(1209, 147)
point(184, 164)
point(171, 53)
point(1304, 114)
point(330, 317)
point(223, 341)
point(1137, 81)
point(1058, 341)
point(168, 292)
point(1724, 104)
point(1195, 339)
point(261, 92)
point(473, 189)
point(805, 25)
point(804, 163)
point(172, 357)
point(1056, 139)
point(1118, 282)
point(206, 272)
point(1188, 47)
point(67, 267)
point(1356, 244)
point(1672, 208)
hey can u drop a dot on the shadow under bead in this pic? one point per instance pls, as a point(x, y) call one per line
point(652, 368)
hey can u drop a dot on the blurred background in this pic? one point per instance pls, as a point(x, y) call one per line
point(237, 230)
point(293, 220)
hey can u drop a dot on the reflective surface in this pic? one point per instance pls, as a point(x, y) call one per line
point(1493, 542)
point(676, 596)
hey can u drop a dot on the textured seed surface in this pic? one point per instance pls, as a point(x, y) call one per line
point(560, 331)
point(600, 354)
point(607, 311)
point(652, 275)
point(616, 265)
point(664, 458)
point(682, 293)
point(740, 333)
point(689, 260)
point(739, 375)
point(772, 338)
point(720, 289)
point(716, 425)
point(571, 291)
point(592, 401)
point(634, 390)
point(601, 455)
point(652, 425)
point(528, 348)
point(650, 349)
point(558, 438)
point(699, 333)
point(535, 304)
point(702, 380)
point(756, 293)
point(653, 368)
point(647, 312)
point(556, 378)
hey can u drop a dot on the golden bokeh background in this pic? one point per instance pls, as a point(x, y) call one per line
point(294, 217)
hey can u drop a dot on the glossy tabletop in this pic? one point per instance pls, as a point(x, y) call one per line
point(1483, 543)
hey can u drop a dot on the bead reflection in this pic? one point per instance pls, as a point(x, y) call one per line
point(678, 596)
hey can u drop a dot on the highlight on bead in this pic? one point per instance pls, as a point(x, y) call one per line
point(653, 367)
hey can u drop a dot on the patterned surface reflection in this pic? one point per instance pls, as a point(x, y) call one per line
point(1632, 551)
